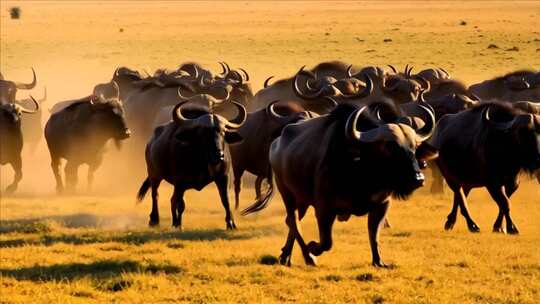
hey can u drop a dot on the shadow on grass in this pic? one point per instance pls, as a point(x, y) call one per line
point(138, 237)
point(97, 270)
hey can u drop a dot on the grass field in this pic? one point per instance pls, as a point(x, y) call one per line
point(97, 248)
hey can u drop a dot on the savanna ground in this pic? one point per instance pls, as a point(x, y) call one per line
point(96, 247)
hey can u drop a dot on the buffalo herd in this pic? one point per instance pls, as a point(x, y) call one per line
point(340, 138)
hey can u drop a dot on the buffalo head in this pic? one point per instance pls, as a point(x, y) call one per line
point(8, 89)
point(394, 148)
point(107, 115)
point(198, 128)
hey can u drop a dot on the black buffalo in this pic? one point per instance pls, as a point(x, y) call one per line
point(258, 132)
point(515, 86)
point(8, 89)
point(189, 153)
point(487, 146)
point(79, 132)
point(345, 163)
point(11, 139)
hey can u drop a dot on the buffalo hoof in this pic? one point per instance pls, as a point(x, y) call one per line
point(498, 230)
point(512, 229)
point(153, 223)
point(380, 264)
point(449, 225)
point(285, 260)
point(473, 227)
point(231, 225)
point(310, 260)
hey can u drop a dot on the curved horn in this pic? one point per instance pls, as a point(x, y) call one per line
point(445, 72)
point(182, 97)
point(270, 111)
point(27, 86)
point(228, 68)
point(267, 81)
point(393, 69)
point(239, 120)
point(239, 77)
point(350, 127)
point(429, 125)
point(116, 74)
point(245, 73)
point(408, 73)
point(25, 110)
point(297, 90)
point(497, 125)
point(177, 112)
point(117, 88)
point(224, 69)
point(349, 71)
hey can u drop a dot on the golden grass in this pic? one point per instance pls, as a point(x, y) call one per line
point(97, 248)
point(76, 249)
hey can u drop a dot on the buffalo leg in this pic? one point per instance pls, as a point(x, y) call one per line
point(70, 172)
point(452, 216)
point(375, 221)
point(463, 206)
point(154, 214)
point(502, 201)
point(460, 202)
point(294, 224)
point(17, 168)
point(237, 187)
point(325, 220)
point(92, 167)
point(177, 207)
point(55, 166)
point(222, 184)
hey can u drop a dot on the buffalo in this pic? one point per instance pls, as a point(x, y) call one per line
point(79, 132)
point(258, 132)
point(11, 138)
point(345, 163)
point(487, 146)
point(189, 153)
point(515, 86)
point(8, 89)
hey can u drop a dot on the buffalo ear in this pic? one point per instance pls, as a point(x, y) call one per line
point(426, 152)
point(233, 137)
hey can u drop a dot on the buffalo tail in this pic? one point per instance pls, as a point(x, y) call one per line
point(263, 200)
point(143, 189)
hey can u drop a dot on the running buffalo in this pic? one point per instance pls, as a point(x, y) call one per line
point(345, 163)
point(11, 139)
point(487, 146)
point(79, 132)
point(189, 153)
